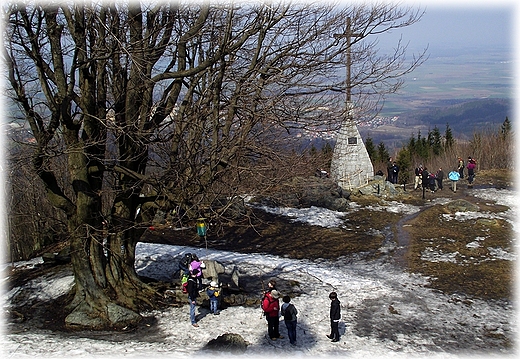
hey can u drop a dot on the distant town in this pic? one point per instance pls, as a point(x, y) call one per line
point(329, 135)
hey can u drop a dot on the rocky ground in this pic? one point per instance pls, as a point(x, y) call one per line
point(367, 232)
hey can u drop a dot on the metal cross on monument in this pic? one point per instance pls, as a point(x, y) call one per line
point(348, 35)
point(351, 166)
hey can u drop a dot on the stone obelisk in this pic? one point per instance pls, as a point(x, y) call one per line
point(351, 166)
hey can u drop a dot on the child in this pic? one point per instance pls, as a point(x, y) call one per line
point(213, 294)
point(289, 313)
point(335, 316)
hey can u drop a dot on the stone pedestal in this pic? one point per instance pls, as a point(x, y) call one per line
point(351, 166)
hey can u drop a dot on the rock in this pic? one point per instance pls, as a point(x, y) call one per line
point(62, 257)
point(461, 205)
point(212, 270)
point(235, 276)
point(488, 222)
point(228, 342)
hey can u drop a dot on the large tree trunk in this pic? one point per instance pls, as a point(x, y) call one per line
point(202, 88)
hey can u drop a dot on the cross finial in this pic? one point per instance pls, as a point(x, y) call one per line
point(348, 35)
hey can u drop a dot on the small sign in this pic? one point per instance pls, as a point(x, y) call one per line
point(352, 140)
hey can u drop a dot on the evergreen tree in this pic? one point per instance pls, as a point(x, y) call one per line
point(506, 127)
point(313, 151)
point(382, 152)
point(423, 148)
point(371, 149)
point(412, 145)
point(404, 162)
point(448, 138)
point(327, 152)
point(436, 142)
point(327, 149)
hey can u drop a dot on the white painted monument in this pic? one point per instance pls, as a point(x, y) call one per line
point(351, 166)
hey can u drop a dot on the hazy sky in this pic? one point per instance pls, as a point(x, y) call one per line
point(462, 25)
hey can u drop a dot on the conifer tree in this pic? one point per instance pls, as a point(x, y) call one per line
point(382, 152)
point(506, 127)
point(435, 141)
point(449, 141)
point(371, 149)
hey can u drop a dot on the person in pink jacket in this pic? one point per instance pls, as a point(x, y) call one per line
point(198, 265)
point(471, 170)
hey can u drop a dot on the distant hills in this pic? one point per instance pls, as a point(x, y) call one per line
point(464, 117)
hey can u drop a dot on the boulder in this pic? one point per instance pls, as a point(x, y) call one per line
point(213, 270)
point(228, 342)
point(461, 205)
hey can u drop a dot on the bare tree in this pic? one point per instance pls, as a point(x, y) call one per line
point(168, 105)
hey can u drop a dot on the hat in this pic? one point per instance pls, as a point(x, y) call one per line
point(275, 294)
point(213, 284)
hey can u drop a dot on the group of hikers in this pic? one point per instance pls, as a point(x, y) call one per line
point(191, 280)
point(273, 312)
point(392, 170)
point(190, 268)
point(433, 181)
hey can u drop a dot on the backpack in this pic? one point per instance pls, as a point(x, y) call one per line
point(287, 314)
point(184, 283)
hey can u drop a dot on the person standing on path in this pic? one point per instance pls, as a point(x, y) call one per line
point(460, 167)
point(389, 174)
point(439, 177)
point(271, 308)
point(289, 313)
point(418, 176)
point(197, 264)
point(395, 173)
point(454, 177)
point(425, 180)
point(213, 293)
point(335, 316)
point(193, 293)
point(471, 171)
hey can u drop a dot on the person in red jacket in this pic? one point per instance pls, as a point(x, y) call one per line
point(271, 308)
point(472, 164)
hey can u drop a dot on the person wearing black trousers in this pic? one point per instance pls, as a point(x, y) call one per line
point(335, 316)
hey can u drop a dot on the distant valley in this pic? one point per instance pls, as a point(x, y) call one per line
point(463, 116)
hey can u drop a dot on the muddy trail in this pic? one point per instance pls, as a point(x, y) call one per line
point(398, 237)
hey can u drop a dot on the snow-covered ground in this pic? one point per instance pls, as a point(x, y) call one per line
point(386, 312)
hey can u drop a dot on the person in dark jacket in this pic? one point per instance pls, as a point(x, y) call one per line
point(335, 316)
point(184, 264)
point(460, 167)
point(425, 178)
point(289, 313)
point(193, 293)
point(389, 166)
point(439, 176)
point(395, 173)
point(431, 182)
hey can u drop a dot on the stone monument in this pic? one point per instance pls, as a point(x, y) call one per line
point(351, 166)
